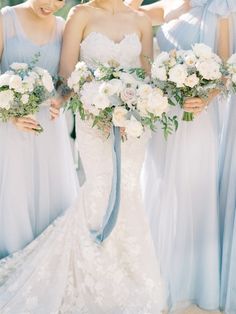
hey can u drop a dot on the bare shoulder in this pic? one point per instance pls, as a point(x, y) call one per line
point(80, 12)
point(143, 20)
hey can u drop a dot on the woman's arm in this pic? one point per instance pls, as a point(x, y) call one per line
point(72, 37)
point(147, 42)
point(224, 39)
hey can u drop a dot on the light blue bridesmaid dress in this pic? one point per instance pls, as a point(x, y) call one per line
point(228, 197)
point(37, 176)
point(180, 179)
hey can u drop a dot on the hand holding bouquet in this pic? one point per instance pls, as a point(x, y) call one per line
point(186, 74)
point(22, 90)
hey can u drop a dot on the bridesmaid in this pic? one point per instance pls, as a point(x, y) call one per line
point(37, 178)
point(228, 194)
point(180, 176)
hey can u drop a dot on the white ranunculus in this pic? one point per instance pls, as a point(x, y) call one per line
point(128, 95)
point(209, 69)
point(25, 98)
point(157, 104)
point(178, 75)
point(47, 81)
point(4, 79)
point(133, 128)
point(192, 80)
point(119, 116)
point(19, 66)
point(101, 101)
point(6, 99)
point(16, 83)
point(158, 72)
point(162, 58)
point(107, 89)
point(202, 51)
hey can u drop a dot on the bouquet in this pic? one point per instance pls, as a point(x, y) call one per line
point(230, 74)
point(22, 90)
point(114, 96)
point(188, 73)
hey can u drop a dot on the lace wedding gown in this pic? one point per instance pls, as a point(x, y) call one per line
point(64, 271)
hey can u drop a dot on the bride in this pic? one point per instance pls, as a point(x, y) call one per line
point(64, 270)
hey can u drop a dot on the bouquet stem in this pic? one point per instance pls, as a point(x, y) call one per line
point(187, 116)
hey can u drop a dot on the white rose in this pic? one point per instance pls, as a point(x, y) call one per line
point(4, 79)
point(144, 90)
point(19, 66)
point(178, 75)
point(119, 116)
point(117, 85)
point(101, 101)
point(192, 80)
point(190, 60)
point(142, 105)
point(47, 81)
point(15, 83)
point(28, 83)
point(88, 93)
point(81, 66)
point(158, 72)
point(128, 95)
point(6, 99)
point(133, 128)
point(202, 51)
point(162, 58)
point(157, 104)
point(25, 98)
point(209, 69)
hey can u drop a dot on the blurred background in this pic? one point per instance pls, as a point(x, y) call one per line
point(62, 12)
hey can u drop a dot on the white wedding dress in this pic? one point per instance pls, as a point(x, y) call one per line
point(64, 271)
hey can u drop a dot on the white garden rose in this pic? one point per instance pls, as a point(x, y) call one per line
point(162, 58)
point(88, 93)
point(25, 98)
point(101, 101)
point(142, 105)
point(133, 128)
point(28, 83)
point(202, 51)
point(4, 79)
point(128, 95)
point(18, 66)
point(144, 90)
point(178, 75)
point(15, 82)
point(6, 99)
point(119, 116)
point(192, 80)
point(157, 104)
point(209, 69)
point(158, 72)
point(47, 81)
point(190, 60)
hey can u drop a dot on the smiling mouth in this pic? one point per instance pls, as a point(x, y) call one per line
point(46, 11)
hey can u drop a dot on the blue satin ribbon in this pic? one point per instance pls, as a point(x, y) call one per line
point(110, 218)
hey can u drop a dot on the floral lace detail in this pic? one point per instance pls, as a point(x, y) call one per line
point(64, 271)
point(126, 52)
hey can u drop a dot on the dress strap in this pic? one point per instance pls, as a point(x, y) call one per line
point(9, 26)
